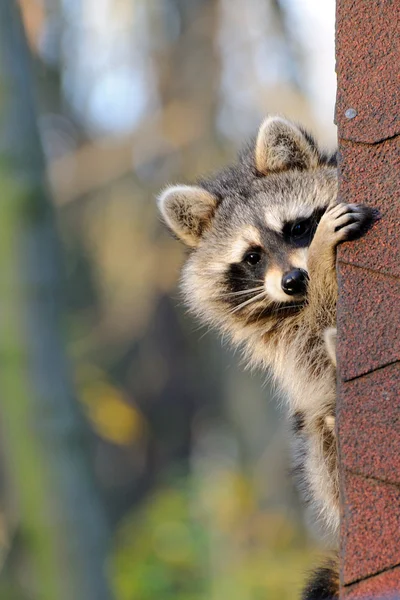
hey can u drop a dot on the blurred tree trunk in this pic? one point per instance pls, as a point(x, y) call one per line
point(60, 522)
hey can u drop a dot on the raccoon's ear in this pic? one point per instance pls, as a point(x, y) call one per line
point(188, 211)
point(281, 145)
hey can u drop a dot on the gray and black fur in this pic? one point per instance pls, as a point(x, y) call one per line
point(323, 584)
point(263, 236)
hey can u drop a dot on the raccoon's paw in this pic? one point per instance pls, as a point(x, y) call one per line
point(343, 222)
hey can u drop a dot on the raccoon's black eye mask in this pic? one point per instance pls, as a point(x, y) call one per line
point(298, 233)
point(301, 231)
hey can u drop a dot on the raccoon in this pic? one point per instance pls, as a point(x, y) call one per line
point(262, 236)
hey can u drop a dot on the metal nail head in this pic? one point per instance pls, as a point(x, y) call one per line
point(351, 113)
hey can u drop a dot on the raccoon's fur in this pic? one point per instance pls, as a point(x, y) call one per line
point(324, 583)
point(263, 235)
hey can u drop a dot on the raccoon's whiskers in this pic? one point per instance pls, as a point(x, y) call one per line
point(243, 292)
point(252, 313)
point(249, 301)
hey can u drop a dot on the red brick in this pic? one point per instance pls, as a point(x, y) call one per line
point(368, 68)
point(368, 321)
point(369, 424)
point(369, 175)
point(370, 527)
point(385, 586)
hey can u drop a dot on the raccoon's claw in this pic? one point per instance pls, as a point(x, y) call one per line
point(347, 221)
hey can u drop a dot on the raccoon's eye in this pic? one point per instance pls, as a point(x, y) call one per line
point(300, 228)
point(252, 257)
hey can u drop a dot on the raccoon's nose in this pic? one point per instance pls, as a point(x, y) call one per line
point(295, 282)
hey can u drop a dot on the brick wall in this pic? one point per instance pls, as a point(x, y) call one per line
point(367, 114)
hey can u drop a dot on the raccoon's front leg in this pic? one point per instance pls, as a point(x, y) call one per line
point(341, 222)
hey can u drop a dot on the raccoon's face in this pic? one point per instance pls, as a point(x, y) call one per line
point(248, 263)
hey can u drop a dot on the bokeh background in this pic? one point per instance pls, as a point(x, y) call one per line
point(189, 453)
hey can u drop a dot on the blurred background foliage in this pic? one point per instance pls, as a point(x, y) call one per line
point(190, 453)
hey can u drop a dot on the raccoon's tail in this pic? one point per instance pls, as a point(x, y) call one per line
point(324, 583)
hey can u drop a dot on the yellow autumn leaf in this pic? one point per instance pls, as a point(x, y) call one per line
point(111, 416)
